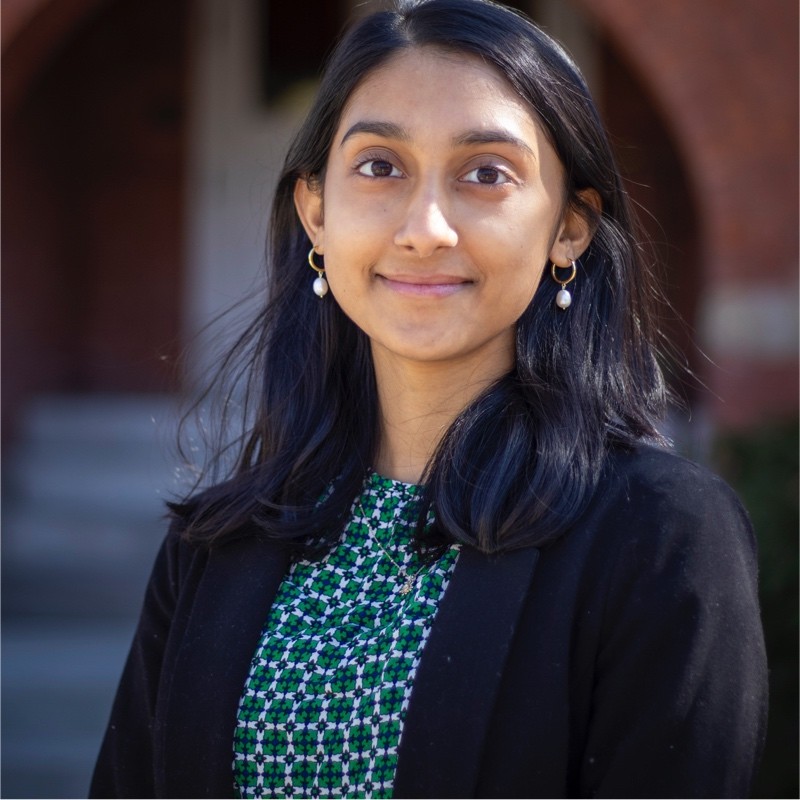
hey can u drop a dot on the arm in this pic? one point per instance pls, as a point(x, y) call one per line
point(679, 701)
point(125, 766)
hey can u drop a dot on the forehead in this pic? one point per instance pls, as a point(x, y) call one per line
point(454, 86)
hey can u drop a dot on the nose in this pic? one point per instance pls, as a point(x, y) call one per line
point(426, 227)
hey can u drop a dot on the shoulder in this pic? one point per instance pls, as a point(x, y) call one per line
point(658, 467)
point(655, 510)
point(177, 559)
point(665, 557)
point(667, 620)
point(647, 480)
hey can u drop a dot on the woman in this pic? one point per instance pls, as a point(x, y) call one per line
point(454, 557)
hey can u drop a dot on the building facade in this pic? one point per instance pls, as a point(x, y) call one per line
point(142, 138)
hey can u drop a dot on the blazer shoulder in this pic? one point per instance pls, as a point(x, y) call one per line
point(671, 627)
point(660, 478)
point(655, 501)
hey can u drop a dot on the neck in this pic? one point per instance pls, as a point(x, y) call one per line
point(418, 403)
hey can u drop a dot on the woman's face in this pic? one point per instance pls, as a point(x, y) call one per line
point(442, 202)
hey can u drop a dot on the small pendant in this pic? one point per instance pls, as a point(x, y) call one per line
point(320, 286)
point(407, 586)
point(563, 299)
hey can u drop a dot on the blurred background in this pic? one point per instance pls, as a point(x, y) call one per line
point(141, 140)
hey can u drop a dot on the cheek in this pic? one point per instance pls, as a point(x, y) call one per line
point(340, 282)
point(523, 289)
point(348, 275)
point(523, 228)
point(351, 240)
point(520, 257)
point(526, 280)
point(512, 291)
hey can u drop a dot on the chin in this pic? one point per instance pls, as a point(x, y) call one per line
point(428, 349)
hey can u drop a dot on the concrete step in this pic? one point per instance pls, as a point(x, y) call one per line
point(59, 566)
point(97, 418)
point(110, 455)
point(83, 516)
point(58, 683)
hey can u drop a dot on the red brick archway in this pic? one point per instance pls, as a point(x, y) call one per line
point(724, 78)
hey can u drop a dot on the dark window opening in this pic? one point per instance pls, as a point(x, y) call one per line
point(296, 37)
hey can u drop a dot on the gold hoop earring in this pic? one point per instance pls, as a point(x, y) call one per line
point(320, 285)
point(564, 298)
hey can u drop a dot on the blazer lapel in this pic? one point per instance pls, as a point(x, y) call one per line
point(459, 672)
point(232, 602)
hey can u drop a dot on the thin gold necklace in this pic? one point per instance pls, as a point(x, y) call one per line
point(405, 578)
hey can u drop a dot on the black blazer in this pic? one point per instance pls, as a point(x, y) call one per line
point(624, 660)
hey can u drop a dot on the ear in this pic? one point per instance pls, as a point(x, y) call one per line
point(308, 204)
point(576, 230)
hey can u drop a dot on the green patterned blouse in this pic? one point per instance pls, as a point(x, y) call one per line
point(323, 708)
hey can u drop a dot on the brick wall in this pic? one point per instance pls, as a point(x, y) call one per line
point(724, 74)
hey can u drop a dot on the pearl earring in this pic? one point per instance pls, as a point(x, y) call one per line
point(564, 298)
point(320, 284)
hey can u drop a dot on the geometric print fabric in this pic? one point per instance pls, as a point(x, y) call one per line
point(323, 707)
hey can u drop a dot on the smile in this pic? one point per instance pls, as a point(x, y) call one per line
point(425, 285)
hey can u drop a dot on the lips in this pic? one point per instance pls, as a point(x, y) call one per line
point(425, 285)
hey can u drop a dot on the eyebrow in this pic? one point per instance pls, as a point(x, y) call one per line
point(386, 130)
point(493, 137)
point(391, 130)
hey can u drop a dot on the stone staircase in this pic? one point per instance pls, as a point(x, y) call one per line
point(83, 514)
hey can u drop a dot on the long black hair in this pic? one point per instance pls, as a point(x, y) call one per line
point(520, 463)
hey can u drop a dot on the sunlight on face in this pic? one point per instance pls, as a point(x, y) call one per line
point(442, 200)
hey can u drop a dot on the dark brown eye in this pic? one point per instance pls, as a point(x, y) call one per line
point(487, 175)
point(381, 169)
